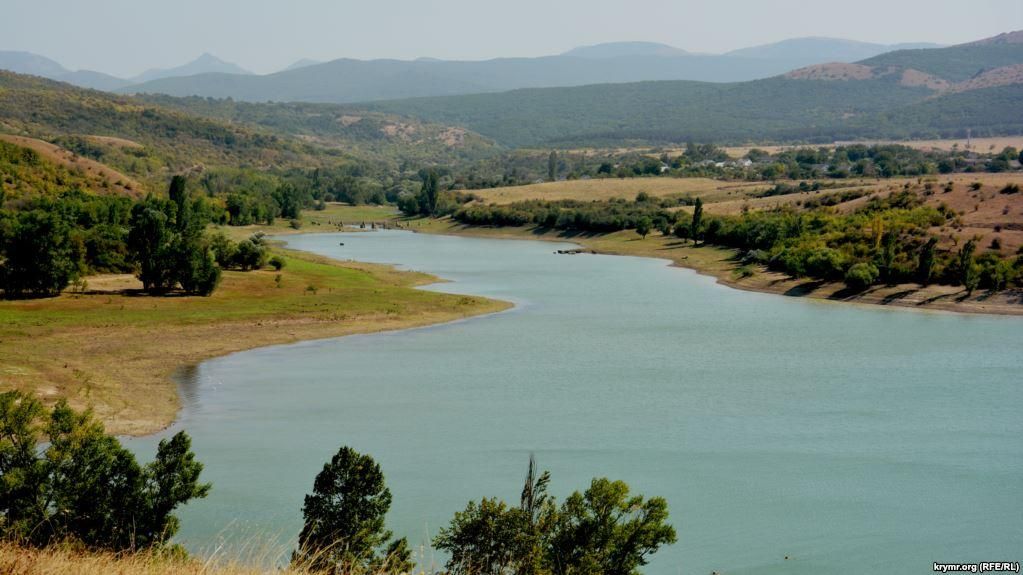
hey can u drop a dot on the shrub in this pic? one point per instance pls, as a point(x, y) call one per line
point(250, 255)
point(861, 276)
point(277, 262)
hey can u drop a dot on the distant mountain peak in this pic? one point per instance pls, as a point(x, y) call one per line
point(204, 64)
point(302, 63)
point(620, 49)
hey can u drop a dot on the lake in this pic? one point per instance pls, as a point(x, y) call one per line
point(845, 437)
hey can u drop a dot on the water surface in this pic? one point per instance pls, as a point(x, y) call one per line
point(847, 438)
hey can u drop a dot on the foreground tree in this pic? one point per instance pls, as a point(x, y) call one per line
point(344, 520)
point(604, 530)
point(84, 486)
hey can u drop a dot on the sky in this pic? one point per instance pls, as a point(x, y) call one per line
point(126, 37)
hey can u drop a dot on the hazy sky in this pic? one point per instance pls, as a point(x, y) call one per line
point(124, 37)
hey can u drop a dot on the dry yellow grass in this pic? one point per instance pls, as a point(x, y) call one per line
point(607, 188)
point(16, 560)
point(115, 350)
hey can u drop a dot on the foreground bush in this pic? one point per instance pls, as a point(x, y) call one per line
point(602, 530)
point(84, 486)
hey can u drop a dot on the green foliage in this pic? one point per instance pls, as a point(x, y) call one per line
point(573, 215)
point(277, 262)
point(250, 254)
point(38, 256)
point(696, 225)
point(83, 485)
point(602, 530)
point(969, 272)
point(344, 519)
point(643, 226)
point(606, 530)
point(925, 266)
point(861, 275)
point(25, 174)
point(167, 242)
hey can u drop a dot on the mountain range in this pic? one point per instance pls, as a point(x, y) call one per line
point(348, 80)
point(36, 65)
point(906, 93)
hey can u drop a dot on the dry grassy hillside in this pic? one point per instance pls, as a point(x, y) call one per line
point(104, 178)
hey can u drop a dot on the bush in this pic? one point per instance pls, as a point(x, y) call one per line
point(861, 276)
point(278, 263)
point(250, 254)
point(83, 485)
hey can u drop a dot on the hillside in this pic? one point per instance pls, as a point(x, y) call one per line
point(146, 141)
point(823, 49)
point(36, 65)
point(773, 109)
point(908, 93)
point(369, 135)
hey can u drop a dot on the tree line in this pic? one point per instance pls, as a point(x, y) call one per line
point(50, 242)
point(63, 480)
point(886, 241)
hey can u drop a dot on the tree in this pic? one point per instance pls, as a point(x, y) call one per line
point(37, 255)
point(552, 166)
point(969, 275)
point(605, 530)
point(643, 226)
point(84, 485)
point(150, 243)
point(696, 227)
point(344, 518)
point(484, 539)
point(886, 256)
point(925, 265)
point(428, 193)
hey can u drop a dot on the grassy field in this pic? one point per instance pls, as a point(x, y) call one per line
point(627, 188)
point(113, 349)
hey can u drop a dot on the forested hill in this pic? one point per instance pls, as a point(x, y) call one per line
point(907, 93)
point(151, 137)
point(147, 141)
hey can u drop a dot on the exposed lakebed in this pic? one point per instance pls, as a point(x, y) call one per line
point(844, 437)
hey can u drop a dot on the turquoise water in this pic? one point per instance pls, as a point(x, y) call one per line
point(844, 437)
